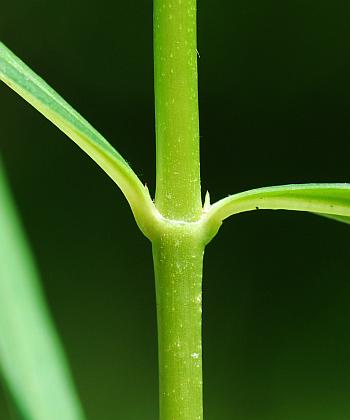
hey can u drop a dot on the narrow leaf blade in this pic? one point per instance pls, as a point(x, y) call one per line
point(330, 200)
point(41, 96)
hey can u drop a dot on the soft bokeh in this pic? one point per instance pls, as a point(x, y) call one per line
point(275, 108)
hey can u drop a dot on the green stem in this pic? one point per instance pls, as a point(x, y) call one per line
point(178, 194)
point(178, 260)
point(179, 246)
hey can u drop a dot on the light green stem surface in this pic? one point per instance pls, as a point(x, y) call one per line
point(178, 260)
point(178, 194)
point(31, 357)
point(178, 248)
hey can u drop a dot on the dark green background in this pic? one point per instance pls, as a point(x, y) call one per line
point(275, 108)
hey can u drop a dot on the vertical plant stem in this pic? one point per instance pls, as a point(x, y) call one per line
point(178, 251)
point(178, 259)
point(178, 194)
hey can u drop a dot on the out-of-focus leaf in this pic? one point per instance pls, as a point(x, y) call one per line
point(31, 358)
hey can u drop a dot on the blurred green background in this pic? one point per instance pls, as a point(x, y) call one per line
point(275, 108)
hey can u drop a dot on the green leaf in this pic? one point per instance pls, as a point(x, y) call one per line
point(19, 77)
point(31, 357)
point(329, 200)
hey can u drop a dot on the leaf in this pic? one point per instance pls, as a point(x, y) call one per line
point(19, 77)
point(31, 357)
point(329, 200)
